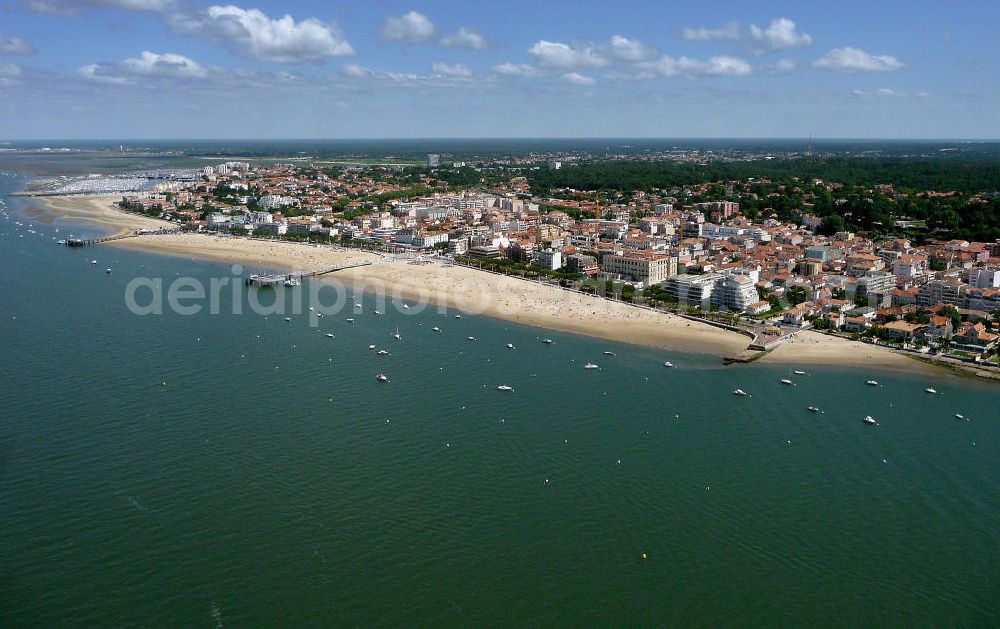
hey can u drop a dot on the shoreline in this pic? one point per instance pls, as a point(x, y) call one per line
point(470, 290)
point(96, 209)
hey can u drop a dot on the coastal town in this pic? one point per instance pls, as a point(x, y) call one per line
point(765, 276)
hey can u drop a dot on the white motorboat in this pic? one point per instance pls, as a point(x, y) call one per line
point(288, 318)
point(591, 366)
point(458, 316)
point(436, 329)
point(669, 365)
point(382, 377)
point(350, 320)
point(799, 373)
point(547, 341)
point(610, 354)
point(959, 416)
point(329, 336)
point(472, 338)
point(868, 419)
point(504, 387)
point(378, 312)
point(510, 346)
point(371, 347)
point(108, 271)
point(382, 352)
point(787, 381)
point(931, 390)
point(872, 383)
point(813, 409)
point(739, 392)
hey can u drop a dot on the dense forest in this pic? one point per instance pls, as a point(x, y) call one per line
point(785, 190)
point(925, 174)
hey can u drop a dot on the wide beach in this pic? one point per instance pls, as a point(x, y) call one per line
point(474, 291)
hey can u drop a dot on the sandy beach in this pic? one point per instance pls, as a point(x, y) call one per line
point(438, 283)
point(94, 209)
point(814, 348)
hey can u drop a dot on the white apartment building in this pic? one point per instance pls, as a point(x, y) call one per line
point(984, 278)
point(550, 259)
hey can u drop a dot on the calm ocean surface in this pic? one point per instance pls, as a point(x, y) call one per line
point(274, 482)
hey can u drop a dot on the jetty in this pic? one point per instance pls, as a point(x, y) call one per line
point(88, 242)
point(294, 279)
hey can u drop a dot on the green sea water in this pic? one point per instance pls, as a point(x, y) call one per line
point(274, 482)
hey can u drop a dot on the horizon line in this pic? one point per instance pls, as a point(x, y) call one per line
point(511, 138)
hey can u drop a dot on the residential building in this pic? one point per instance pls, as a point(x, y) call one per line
point(646, 267)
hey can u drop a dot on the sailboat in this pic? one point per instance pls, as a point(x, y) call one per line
point(396, 335)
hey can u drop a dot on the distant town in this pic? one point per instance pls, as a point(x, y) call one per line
point(676, 248)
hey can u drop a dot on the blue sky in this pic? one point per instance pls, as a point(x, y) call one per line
point(186, 69)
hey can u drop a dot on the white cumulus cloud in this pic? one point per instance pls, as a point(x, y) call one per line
point(578, 79)
point(780, 34)
point(566, 57)
point(355, 71)
point(722, 65)
point(254, 33)
point(411, 28)
point(515, 69)
point(627, 49)
point(857, 60)
point(729, 31)
point(147, 65)
point(456, 69)
point(465, 37)
point(14, 46)
point(167, 64)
